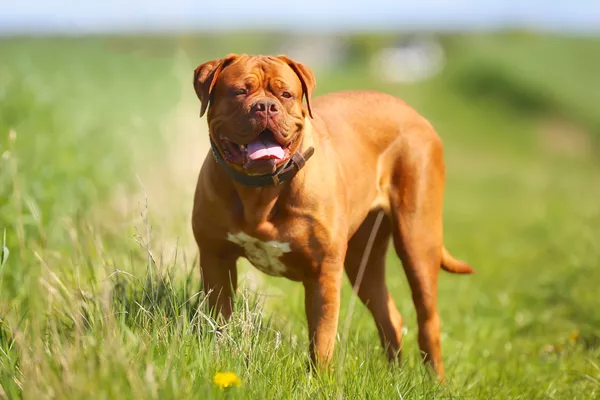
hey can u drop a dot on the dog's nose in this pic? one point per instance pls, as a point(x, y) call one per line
point(266, 107)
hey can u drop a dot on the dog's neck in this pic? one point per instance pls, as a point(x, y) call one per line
point(260, 203)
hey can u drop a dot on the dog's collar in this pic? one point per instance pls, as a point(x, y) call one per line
point(282, 174)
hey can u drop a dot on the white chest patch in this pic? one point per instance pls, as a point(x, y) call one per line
point(263, 255)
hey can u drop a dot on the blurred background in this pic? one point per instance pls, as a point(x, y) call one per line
point(97, 90)
point(99, 134)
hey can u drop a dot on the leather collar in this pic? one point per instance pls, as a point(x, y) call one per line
point(284, 173)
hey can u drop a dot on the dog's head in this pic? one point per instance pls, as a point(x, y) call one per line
point(255, 112)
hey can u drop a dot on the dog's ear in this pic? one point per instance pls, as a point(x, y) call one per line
point(205, 77)
point(307, 78)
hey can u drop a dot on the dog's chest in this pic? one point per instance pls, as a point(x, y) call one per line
point(265, 256)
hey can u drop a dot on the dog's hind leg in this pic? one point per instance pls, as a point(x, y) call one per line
point(416, 197)
point(372, 289)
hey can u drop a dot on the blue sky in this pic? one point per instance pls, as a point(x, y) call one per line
point(75, 16)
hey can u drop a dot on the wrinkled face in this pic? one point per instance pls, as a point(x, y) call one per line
point(256, 116)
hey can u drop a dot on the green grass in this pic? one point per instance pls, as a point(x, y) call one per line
point(89, 308)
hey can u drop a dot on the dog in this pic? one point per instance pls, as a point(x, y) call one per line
point(304, 191)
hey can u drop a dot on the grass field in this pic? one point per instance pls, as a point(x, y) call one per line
point(100, 145)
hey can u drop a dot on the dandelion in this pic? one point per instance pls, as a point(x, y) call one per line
point(574, 335)
point(226, 380)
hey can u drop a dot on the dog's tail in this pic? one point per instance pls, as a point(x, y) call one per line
point(451, 264)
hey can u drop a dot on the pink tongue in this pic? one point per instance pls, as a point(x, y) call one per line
point(263, 148)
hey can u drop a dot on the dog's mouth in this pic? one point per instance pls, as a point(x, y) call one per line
point(261, 156)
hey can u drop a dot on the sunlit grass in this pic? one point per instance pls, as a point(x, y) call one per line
point(91, 308)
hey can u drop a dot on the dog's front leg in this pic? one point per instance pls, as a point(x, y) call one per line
point(218, 272)
point(322, 304)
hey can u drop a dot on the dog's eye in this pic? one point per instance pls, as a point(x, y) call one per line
point(287, 95)
point(241, 91)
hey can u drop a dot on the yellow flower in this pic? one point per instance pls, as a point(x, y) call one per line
point(226, 380)
point(574, 335)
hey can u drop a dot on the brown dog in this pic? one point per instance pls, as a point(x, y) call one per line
point(263, 196)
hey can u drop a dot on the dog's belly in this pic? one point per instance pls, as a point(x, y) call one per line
point(264, 256)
